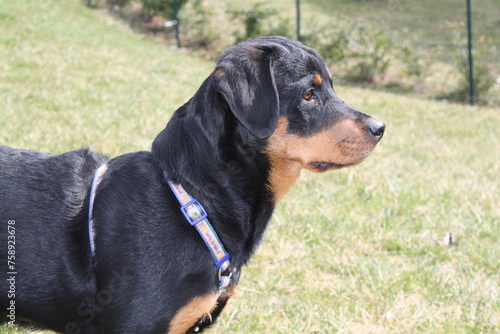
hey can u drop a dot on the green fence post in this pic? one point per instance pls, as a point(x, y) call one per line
point(177, 23)
point(469, 46)
point(298, 20)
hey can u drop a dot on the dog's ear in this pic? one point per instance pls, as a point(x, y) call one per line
point(244, 77)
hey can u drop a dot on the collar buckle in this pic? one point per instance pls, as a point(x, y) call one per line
point(194, 212)
point(224, 280)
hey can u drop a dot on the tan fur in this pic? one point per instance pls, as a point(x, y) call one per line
point(219, 73)
point(198, 308)
point(343, 144)
point(187, 316)
point(283, 174)
point(317, 80)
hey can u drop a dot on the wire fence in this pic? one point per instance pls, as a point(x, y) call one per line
point(420, 46)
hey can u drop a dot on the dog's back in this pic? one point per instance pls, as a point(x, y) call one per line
point(41, 195)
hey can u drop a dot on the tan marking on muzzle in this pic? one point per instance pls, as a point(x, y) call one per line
point(346, 143)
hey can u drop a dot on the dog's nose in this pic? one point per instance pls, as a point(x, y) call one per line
point(377, 127)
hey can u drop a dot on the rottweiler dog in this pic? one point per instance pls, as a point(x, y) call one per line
point(154, 241)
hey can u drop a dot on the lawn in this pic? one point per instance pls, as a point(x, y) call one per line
point(354, 251)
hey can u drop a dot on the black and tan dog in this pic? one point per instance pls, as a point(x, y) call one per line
point(267, 111)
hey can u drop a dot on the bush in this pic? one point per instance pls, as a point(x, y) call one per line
point(120, 3)
point(368, 56)
point(330, 41)
point(150, 8)
point(199, 28)
point(254, 22)
point(416, 63)
point(358, 52)
point(483, 80)
point(163, 8)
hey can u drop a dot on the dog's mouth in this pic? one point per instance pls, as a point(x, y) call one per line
point(322, 167)
point(348, 153)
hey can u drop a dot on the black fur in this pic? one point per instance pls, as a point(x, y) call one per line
point(149, 261)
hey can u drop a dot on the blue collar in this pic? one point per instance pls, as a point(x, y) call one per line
point(99, 174)
point(196, 216)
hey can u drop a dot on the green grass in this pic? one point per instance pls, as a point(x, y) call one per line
point(353, 251)
point(86, 78)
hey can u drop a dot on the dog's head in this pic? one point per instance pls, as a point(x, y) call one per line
point(281, 91)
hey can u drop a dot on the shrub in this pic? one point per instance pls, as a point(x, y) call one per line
point(416, 63)
point(163, 8)
point(150, 8)
point(358, 52)
point(329, 41)
point(368, 56)
point(483, 80)
point(120, 3)
point(199, 29)
point(254, 22)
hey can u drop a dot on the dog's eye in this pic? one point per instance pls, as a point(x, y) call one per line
point(309, 95)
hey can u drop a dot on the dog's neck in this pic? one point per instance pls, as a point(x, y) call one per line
point(224, 167)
